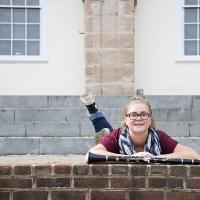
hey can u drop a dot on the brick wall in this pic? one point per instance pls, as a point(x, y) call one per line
point(99, 182)
point(109, 42)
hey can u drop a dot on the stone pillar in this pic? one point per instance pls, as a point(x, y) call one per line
point(109, 42)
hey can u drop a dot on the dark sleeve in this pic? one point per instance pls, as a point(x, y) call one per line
point(110, 142)
point(167, 143)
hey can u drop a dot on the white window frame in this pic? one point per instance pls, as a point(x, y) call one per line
point(43, 57)
point(180, 34)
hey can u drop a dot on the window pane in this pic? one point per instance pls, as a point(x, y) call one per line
point(4, 2)
point(32, 2)
point(5, 15)
point(5, 47)
point(33, 15)
point(19, 31)
point(19, 47)
point(190, 15)
point(190, 48)
point(199, 47)
point(199, 15)
point(33, 31)
point(33, 48)
point(19, 2)
point(18, 15)
point(191, 2)
point(5, 31)
point(190, 31)
point(199, 31)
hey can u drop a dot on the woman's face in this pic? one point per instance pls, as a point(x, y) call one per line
point(138, 118)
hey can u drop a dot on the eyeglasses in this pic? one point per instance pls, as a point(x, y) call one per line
point(134, 115)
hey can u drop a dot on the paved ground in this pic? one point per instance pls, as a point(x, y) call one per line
point(42, 159)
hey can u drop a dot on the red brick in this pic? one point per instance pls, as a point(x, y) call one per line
point(71, 195)
point(81, 169)
point(159, 170)
point(42, 170)
point(53, 182)
point(119, 169)
point(178, 171)
point(108, 195)
point(195, 171)
point(127, 182)
point(91, 182)
point(5, 170)
point(182, 195)
point(30, 195)
point(175, 183)
point(146, 195)
point(99, 169)
point(139, 170)
point(4, 195)
point(15, 183)
point(62, 169)
point(22, 170)
point(157, 182)
point(193, 183)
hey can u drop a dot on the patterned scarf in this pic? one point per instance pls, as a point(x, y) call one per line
point(152, 144)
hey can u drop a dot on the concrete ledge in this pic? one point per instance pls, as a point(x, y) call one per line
point(41, 159)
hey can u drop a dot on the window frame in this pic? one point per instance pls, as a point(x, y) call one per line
point(180, 34)
point(43, 57)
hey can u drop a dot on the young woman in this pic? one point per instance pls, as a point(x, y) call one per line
point(137, 136)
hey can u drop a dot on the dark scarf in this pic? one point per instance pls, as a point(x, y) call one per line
point(152, 144)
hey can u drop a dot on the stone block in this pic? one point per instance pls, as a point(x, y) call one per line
point(125, 40)
point(6, 114)
point(86, 128)
point(65, 145)
point(93, 40)
point(53, 129)
point(23, 101)
point(40, 115)
point(195, 114)
point(93, 24)
point(92, 58)
point(125, 24)
point(21, 145)
point(196, 101)
point(179, 114)
point(112, 101)
point(194, 129)
point(192, 142)
point(174, 128)
point(12, 129)
point(160, 114)
point(169, 101)
point(63, 102)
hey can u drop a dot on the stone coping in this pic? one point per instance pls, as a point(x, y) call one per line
point(41, 159)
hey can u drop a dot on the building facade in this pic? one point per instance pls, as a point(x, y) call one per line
point(115, 48)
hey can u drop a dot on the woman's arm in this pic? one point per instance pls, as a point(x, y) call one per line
point(182, 151)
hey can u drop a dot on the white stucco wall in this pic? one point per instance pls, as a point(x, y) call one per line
point(156, 68)
point(63, 74)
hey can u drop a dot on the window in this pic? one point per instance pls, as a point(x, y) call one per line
point(188, 34)
point(23, 30)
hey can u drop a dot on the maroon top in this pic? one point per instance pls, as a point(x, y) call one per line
point(110, 142)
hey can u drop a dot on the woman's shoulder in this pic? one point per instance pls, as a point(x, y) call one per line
point(162, 133)
point(115, 132)
point(165, 137)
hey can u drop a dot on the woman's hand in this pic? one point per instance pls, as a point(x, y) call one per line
point(143, 154)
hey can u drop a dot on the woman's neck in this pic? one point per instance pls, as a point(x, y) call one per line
point(139, 141)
